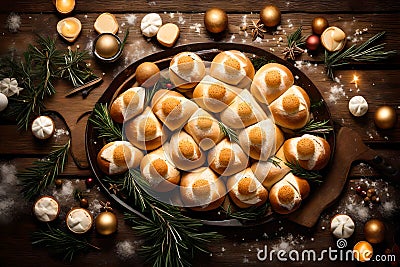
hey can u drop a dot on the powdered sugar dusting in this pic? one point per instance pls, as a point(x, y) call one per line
point(131, 19)
point(126, 249)
point(13, 22)
point(335, 93)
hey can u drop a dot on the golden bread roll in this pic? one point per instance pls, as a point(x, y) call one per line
point(128, 104)
point(185, 152)
point(172, 108)
point(269, 174)
point(311, 152)
point(261, 140)
point(213, 95)
point(117, 157)
point(145, 131)
point(204, 129)
point(286, 195)
point(245, 190)
point(227, 158)
point(158, 170)
point(292, 109)
point(271, 81)
point(202, 190)
point(186, 70)
point(242, 112)
point(232, 67)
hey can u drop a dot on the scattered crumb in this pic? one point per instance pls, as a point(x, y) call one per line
point(65, 193)
point(95, 206)
point(288, 243)
point(60, 132)
point(196, 27)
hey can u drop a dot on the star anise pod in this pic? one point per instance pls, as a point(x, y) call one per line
point(114, 188)
point(295, 40)
point(258, 29)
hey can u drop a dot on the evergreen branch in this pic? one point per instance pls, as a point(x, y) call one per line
point(249, 214)
point(61, 243)
point(275, 161)
point(296, 169)
point(75, 68)
point(228, 132)
point(295, 40)
point(316, 127)
point(160, 84)
point(43, 172)
point(103, 123)
point(362, 53)
point(258, 62)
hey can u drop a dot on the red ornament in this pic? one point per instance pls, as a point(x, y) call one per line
point(89, 182)
point(169, 86)
point(312, 42)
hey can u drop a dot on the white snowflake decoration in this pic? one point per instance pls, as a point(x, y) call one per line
point(9, 87)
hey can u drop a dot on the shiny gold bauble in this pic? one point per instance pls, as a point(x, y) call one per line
point(215, 20)
point(319, 24)
point(106, 223)
point(65, 6)
point(374, 231)
point(147, 73)
point(107, 46)
point(270, 16)
point(363, 251)
point(385, 117)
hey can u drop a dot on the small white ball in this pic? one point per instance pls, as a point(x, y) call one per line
point(3, 102)
point(150, 24)
point(358, 106)
point(43, 127)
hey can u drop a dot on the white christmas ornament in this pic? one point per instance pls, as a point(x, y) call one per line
point(358, 106)
point(3, 102)
point(43, 127)
point(9, 87)
point(150, 24)
point(342, 226)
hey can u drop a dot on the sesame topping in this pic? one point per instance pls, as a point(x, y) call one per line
point(290, 103)
point(216, 91)
point(273, 78)
point(160, 166)
point(201, 187)
point(256, 135)
point(171, 104)
point(185, 63)
point(130, 98)
point(246, 186)
point(244, 110)
point(225, 156)
point(286, 194)
point(186, 148)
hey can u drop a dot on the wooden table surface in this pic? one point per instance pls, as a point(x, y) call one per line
point(378, 83)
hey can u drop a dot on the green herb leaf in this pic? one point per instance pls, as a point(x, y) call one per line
point(102, 122)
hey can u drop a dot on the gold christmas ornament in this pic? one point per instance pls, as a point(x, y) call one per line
point(215, 20)
point(107, 46)
point(385, 117)
point(363, 251)
point(270, 16)
point(319, 24)
point(65, 6)
point(106, 223)
point(374, 231)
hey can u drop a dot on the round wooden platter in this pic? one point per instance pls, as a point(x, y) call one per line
point(207, 51)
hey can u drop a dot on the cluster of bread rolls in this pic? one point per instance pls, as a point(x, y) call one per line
point(179, 144)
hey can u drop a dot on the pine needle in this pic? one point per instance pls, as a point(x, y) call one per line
point(295, 40)
point(102, 122)
point(316, 127)
point(296, 169)
point(228, 132)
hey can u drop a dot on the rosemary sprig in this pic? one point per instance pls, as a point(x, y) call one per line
point(295, 41)
point(258, 62)
point(75, 69)
point(316, 127)
point(43, 172)
point(160, 84)
point(103, 123)
point(228, 132)
point(275, 161)
point(362, 53)
point(61, 243)
point(296, 169)
point(249, 214)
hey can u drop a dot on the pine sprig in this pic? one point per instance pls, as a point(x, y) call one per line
point(228, 132)
point(75, 68)
point(296, 169)
point(249, 214)
point(101, 120)
point(362, 53)
point(43, 172)
point(295, 41)
point(160, 84)
point(61, 243)
point(258, 62)
point(316, 127)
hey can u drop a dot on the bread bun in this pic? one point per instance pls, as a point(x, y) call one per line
point(286, 195)
point(159, 171)
point(117, 157)
point(243, 111)
point(311, 152)
point(245, 190)
point(227, 158)
point(260, 140)
point(292, 109)
point(213, 95)
point(186, 70)
point(128, 104)
point(185, 152)
point(342, 226)
point(268, 173)
point(204, 129)
point(271, 81)
point(172, 108)
point(202, 190)
point(145, 131)
point(232, 67)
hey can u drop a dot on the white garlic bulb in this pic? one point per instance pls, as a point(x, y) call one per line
point(3, 102)
point(358, 106)
point(342, 226)
point(150, 24)
point(43, 127)
point(9, 87)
